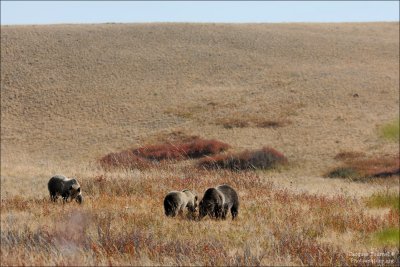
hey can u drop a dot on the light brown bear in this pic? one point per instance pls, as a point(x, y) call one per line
point(176, 201)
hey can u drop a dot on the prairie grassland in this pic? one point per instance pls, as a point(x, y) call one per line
point(318, 93)
point(122, 222)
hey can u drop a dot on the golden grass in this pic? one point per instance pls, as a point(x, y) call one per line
point(154, 78)
point(122, 222)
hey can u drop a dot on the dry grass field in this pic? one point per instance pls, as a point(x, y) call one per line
point(326, 96)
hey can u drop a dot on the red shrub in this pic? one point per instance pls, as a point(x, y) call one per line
point(144, 157)
point(124, 160)
point(193, 149)
point(361, 167)
point(264, 158)
point(377, 166)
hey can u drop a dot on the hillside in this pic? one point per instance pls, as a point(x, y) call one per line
point(72, 93)
point(318, 95)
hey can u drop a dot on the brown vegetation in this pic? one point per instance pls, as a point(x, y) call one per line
point(196, 148)
point(243, 122)
point(144, 157)
point(124, 160)
point(273, 123)
point(122, 223)
point(349, 155)
point(265, 158)
point(358, 167)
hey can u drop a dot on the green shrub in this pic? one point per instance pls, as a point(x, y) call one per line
point(387, 237)
point(383, 199)
point(390, 131)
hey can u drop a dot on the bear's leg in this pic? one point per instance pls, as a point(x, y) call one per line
point(53, 196)
point(224, 211)
point(223, 215)
point(234, 212)
point(180, 212)
point(174, 212)
point(213, 212)
point(219, 211)
point(65, 198)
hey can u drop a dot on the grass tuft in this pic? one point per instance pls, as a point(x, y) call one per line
point(233, 123)
point(244, 122)
point(387, 237)
point(384, 199)
point(348, 155)
point(390, 131)
point(273, 123)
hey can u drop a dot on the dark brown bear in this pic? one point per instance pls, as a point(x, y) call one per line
point(218, 201)
point(60, 185)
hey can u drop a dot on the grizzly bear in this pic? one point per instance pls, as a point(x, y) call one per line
point(218, 201)
point(176, 201)
point(60, 185)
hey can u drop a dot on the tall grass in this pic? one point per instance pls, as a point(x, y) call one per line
point(124, 160)
point(122, 223)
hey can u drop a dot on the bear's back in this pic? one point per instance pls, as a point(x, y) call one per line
point(229, 193)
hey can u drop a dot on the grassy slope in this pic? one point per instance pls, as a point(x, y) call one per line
point(71, 93)
point(88, 89)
